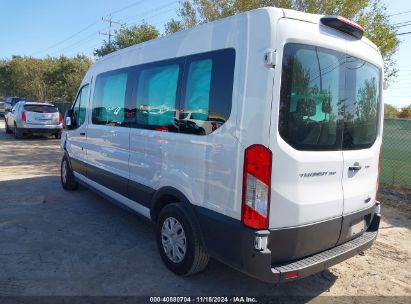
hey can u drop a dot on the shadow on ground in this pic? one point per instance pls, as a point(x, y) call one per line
point(54, 242)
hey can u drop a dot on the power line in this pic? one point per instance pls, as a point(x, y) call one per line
point(68, 38)
point(156, 9)
point(398, 23)
point(128, 6)
point(110, 22)
point(406, 33)
point(77, 43)
point(86, 28)
point(400, 13)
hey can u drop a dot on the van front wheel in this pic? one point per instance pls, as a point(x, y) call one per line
point(67, 177)
point(179, 242)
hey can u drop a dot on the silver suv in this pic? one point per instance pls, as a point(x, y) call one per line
point(33, 118)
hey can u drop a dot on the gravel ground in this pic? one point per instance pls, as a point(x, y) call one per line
point(54, 242)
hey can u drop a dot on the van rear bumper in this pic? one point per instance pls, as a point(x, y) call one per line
point(318, 262)
point(234, 244)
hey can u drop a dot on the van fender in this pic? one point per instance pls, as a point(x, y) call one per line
point(176, 196)
point(166, 195)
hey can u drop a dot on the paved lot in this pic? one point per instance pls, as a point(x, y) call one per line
point(54, 242)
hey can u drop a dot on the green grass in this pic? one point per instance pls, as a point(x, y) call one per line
point(396, 153)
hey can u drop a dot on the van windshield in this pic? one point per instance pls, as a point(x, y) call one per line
point(329, 100)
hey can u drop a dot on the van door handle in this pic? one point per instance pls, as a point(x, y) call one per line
point(82, 133)
point(355, 167)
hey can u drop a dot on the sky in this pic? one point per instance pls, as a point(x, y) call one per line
point(49, 27)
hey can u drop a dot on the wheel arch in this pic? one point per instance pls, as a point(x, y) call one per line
point(168, 195)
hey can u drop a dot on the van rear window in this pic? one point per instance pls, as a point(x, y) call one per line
point(41, 108)
point(329, 100)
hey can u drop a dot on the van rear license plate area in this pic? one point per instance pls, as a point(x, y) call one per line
point(358, 227)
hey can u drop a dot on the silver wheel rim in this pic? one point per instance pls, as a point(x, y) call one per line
point(64, 172)
point(173, 239)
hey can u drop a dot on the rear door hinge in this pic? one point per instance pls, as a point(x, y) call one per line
point(270, 58)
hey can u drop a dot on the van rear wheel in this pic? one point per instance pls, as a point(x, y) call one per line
point(67, 177)
point(18, 134)
point(6, 126)
point(178, 240)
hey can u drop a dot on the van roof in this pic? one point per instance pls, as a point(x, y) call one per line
point(315, 18)
point(285, 13)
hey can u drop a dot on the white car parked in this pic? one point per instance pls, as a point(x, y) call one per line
point(33, 118)
point(283, 186)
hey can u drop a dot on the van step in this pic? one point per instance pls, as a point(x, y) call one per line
point(323, 260)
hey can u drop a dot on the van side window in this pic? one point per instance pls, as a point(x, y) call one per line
point(156, 97)
point(80, 106)
point(109, 98)
point(208, 92)
point(197, 97)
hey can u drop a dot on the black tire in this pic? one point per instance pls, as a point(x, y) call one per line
point(18, 134)
point(68, 181)
point(57, 135)
point(6, 127)
point(196, 257)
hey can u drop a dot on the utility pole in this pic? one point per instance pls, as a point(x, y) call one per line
point(110, 22)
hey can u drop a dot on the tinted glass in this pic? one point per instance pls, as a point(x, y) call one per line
point(312, 82)
point(83, 104)
point(156, 97)
point(361, 112)
point(208, 92)
point(80, 105)
point(41, 108)
point(323, 94)
point(75, 109)
point(109, 98)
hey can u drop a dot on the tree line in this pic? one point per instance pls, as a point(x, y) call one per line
point(58, 78)
point(52, 79)
point(392, 112)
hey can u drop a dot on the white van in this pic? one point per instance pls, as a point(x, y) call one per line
point(283, 186)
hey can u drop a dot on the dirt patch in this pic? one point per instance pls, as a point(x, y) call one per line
point(55, 242)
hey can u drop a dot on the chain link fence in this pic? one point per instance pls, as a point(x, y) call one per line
point(396, 153)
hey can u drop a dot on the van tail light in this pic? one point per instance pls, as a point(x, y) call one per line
point(256, 187)
point(23, 116)
point(161, 129)
point(344, 25)
point(213, 126)
point(290, 275)
point(60, 118)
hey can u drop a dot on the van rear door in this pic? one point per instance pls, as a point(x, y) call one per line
point(306, 129)
point(361, 137)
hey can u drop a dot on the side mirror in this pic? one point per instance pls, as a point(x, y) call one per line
point(68, 122)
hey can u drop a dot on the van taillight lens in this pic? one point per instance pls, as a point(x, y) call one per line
point(256, 187)
point(344, 25)
point(60, 118)
point(23, 116)
point(213, 126)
